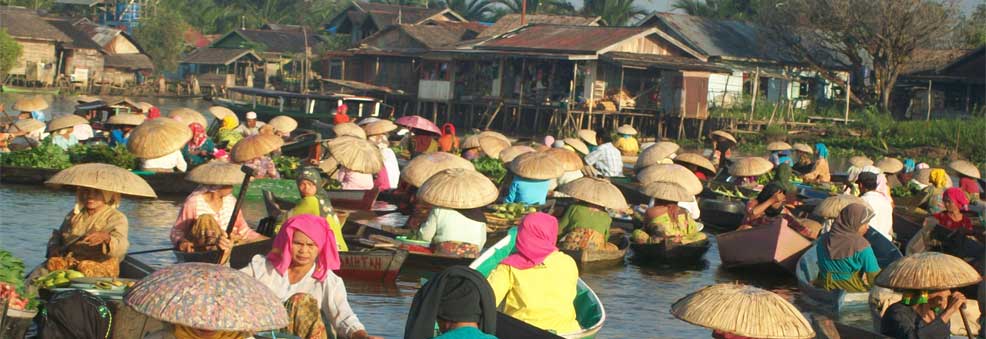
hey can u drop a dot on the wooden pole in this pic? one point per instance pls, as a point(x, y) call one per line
point(619, 104)
point(756, 89)
point(928, 117)
point(520, 101)
point(848, 93)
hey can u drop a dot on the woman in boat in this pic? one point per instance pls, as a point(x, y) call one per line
point(666, 221)
point(970, 186)
point(171, 162)
point(922, 315)
point(781, 157)
point(199, 149)
point(299, 271)
point(952, 218)
point(452, 232)
point(448, 142)
point(845, 258)
point(227, 133)
point(119, 134)
point(527, 191)
point(625, 142)
point(585, 226)
point(538, 283)
point(63, 138)
point(460, 300)
point(819, 169)
point(722, 144)
point(420, 142)
point(938, 182)
point(388, 177)
point(93, 237)
point(769, 207)
point(201, 224)
point(315, 201)
point(353, 180)
point(263, 167)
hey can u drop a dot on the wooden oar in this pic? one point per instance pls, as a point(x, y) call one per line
point(968, 331)
point(152, 251)
point(236, 209)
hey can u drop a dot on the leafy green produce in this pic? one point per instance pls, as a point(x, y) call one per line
point(902, 191)
point(286, 165)
point(12, 282)
point(46, 155)
point(491, 168)
point(118, 155)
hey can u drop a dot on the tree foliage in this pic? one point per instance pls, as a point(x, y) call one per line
point(10, 51)
point(161, 37)
point(614, 12)
point(719, 9)
point(973, 29)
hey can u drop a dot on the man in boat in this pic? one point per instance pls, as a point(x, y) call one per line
point(606, 158)
point(460, 300)
point(881, 205)
point(251, 126)
point(770, 206)
point(846, 260)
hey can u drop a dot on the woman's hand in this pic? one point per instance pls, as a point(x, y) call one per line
point(96, 238)
point(361, 334)
point(225, 244)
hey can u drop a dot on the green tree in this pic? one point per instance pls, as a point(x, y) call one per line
point(162, 37)
point(719, 9)
point(974, 27)
point(10, 51)
point(556, 7)
point(475, 10)
point(614, 12)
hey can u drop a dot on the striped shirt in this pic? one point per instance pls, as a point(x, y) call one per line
point(607, 160)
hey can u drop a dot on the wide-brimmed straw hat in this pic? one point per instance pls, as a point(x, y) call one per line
point(348, 129)
point(471, 141)
point(860, 161)
point(158, 137)
point(667, 191)
point(422, 167)
point(596, 191)
point(221, 113)
point(570, 161)
point(510, 153)
point(588, 136)
point(656, 153)
point(743, 310)
point(928, 271)
point(890, 165)
point(104, 177)
point(750, 167)
point(965, 168)
point(627, 130)
point(66, 121)
point(497, 135)
point(537, 166)
point(458, 188)
point(697, 160)
point(723, 135)
point(356, 154)
point(803, 148)
point(26, 125)
point(216, 172)
point(30, 104)
point(577, 144)
point(126, 119)
point(491, 145)
point(380, 127)
point(187, 116)
point(778, 146)
point(256, 146)
point(672, 173)
point(832, 206)
point(283, 124)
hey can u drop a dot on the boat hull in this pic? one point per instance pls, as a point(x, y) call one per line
point(722, 214)
point(776, 245)
point(662, 253)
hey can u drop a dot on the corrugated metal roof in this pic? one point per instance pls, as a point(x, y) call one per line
point(128, 61)
point(80, 40)
point(102, 35)
point(281, 41)
point(563, 39)
point(511, 22)
point(662, 62)
point(27, 24)
point(218, 56)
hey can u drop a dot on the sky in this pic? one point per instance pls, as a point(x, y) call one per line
point(665, 5)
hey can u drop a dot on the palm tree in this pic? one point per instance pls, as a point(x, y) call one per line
point(719, 9)
point(557, 7)
point(614, 12)
point(474, 10)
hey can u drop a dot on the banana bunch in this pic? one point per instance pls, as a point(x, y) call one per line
point(59, 278)
point(113, 284)
point(512, 211)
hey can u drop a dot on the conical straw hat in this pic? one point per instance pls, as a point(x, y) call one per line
point(577, 144)
point(187, 116)
point(667, 191)
point(537, 166)
point(458, 188)
point(671, 173)
point(158, 137)
point(103, 177)
point(471, 141)
point(743, 310)
point(380, 127)
point(965, 168)
point(66, 121)
point(890, 165)
point(803, 148)
point(126, 119)
point(596, 191)
point(422, 167)
point(723, 135)
point(348, 129)
point(492, 145)
point(329, 165)
point(256, 146)
point(588, 136)
point(654, 154)
point(750, 167)
point(356, 154)
point(216, 172)
point(221, 113)
point(30, 104)
point(497, 135)
point(283, 124)
point(570, 161)
point(626, 129)
point(26, 125)
point(508, 154)
point(697, 160)
point(778, 146)
point(928, 271)
point(832, 206)
point(860, 161)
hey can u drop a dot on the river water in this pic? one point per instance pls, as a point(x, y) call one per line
point(637, 299)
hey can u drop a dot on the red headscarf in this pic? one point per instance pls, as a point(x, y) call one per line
point(535, 241)
point(318, 230)
point(341, 116)
point(153, 113)
point(956, 196)
point(198, 136)
point(969, 185)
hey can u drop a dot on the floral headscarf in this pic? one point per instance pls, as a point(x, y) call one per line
point(198, 136)
point(312, 174)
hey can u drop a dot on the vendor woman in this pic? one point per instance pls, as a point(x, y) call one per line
point(201, 223)
point(451, 232)
point(315, 201)
point(666, 221)
point(93, 236)
point(585, 226)
point(845, 258)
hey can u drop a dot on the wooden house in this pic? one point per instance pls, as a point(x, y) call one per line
point(221, 67)
point(956, 81)
point(283, 52)
point(362, 19)
point(125, 61)
point(513, 21)
point(82, 58)
point(38, 63)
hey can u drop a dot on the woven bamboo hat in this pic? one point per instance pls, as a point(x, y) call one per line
point(667, 191)
point(283, 124)
point(588, 136)
point(158, 137)
point(458, 188)
point(831, 206)
point(750, 167)
point(890, 165)
point(492, 145)
point(329, 165)
point(422, 167)
point(697, 160)
point(495, 134)
point(187, 116)
point(510, 153)
point(723, 135)
point(30, 104)
point(537, 166)
point(743, 310)
point(256, 146)
point(126, 119)
point(860, 161)
point(965, 168)
point(570, 161)
point(356, 154)
point(216, 172)
point(471, 141)
point(596, 191)
point(577, 144)
point(928, 271)
point(221, 113)
point(66, 121)
point(103, 177)
point(26, 125)
point(626, 129)
point(671, 173)
point(380, 127)
point(348, 129)
point(803, 148)
point(654, 154)
point(778, 146)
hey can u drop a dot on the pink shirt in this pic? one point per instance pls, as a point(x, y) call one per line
point(193, 208)
point(355, 181)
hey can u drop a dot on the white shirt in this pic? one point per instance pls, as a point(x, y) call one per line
point(883, 219)
point(167, 162)
point(391, 166)
point(83, 132)
point(330, 293)
point(247, 131)
point(222, 215)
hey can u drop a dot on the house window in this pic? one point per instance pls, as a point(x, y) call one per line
point(335, 69)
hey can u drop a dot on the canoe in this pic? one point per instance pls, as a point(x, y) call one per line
point(430, 262)
point(589, 310)
point(827, 328)
point(630, 189)
point(906, 225)
point(765, 245)
point(239, 258)
point(722, 214)
point(663, 253)
point(29, 90)
point(839, 300)
point(588, 260)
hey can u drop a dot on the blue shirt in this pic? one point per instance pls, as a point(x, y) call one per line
point(843, 269)
point(64, 143)
point(527, 191)
point(117, 138)
point(467, 332)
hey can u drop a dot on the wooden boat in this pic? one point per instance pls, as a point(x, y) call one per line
point(588, 260)
point(240, 256)
point(29, 90)
point(663, 253)
point(720, 213)
point(630, 189)
point(906, 225)
point(827, 328)
point(765, 245)
point(839, 300)
point(303, 107)
point(301, 143)
point(430, 262)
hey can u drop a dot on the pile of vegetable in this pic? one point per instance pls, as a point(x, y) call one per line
point(46, 155)
point(101, 153)
point(12, 283)
point(730, 192)
point(512, 211)
point(491, 168)
point(286, 165)
point(902, 191)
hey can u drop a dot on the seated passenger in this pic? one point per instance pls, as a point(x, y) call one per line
point(845, 259)
point(460, 233)
point(667, 221)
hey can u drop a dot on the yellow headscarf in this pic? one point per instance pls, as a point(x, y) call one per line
point(938, 178)
point(229, 123)
point(182, 332)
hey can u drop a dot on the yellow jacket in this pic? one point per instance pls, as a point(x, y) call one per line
point(309, 205)
point(542, 296)
point(627, 145)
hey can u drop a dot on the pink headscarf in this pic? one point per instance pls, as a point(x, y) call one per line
point(318, 230)
point(957, 196)
point(535, 241)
